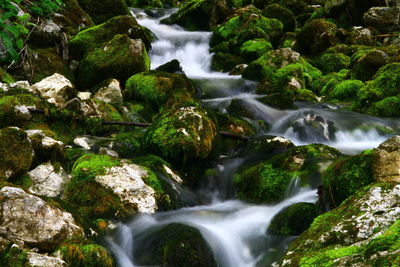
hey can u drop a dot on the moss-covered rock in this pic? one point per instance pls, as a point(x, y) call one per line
point(211, 12)
point(92, 255)
point(95, 36)
point(294, 219)
point(119, 58)
point(15, 153)
point(346, 90)
point(333, 62)
point(316, 36)
point(160, 89)
point(366, 63)
point(105, 10)
point(182, 135)
point(253, 49)
point(282, 14)
point(385, 19)
point(387, 107)
point(346, 176)
point(225, 62)
point(175, 245)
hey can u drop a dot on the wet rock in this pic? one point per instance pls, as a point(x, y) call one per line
point(45, 147)
point(15, 153)
point(267, 145)
point(36, 259)
point(105, 10)
point(386, 159)
point(173, 245)
point(294, 219)
point(385, 19)
point(110, 92)
point(365, 66)
point(350, 233)
point(56, 89)
point(172, 66)
point(41, 226)
point(316, 36)
point(48, 181)
point(119, 58)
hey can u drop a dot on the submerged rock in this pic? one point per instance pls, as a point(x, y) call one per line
point(41, 226)
point(386, 161)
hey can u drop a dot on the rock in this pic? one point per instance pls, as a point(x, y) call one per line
point(360, 36)
point(365, 66)
point(281, 13)
point(253, 49)
point(213, 13)
point(106, 187)
point(333, 62)
point(316, 36)
point(110, 93)
point(356, 233)
point(119, 58)
point(56, 89)
point(82, 142)
point(294, 219)
point(45, 147)
point(36, 259)
point(346, 90)
point(86, 255)
point(84, 95)
point(267, 144)
point(182, 135)
point(101, 12)
point(346, 176)
point(94, 37)
point(386, 164)
point(172, 66)
point(175, 245)
point(41, 226)
point(15, 153)
point(45, 34)
point(72, 17)
point(47, 181)
point(385, 19)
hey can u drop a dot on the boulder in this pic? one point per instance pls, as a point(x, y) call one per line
point(56, 89)
point(47, 180)
point(16, 153)
point(45, 147)
point(175, 245)
point(36, 259)
point(42, 226)
point(385, 19)
point(119, 58)
point(109, 92)
point(365, 65)
point(282, 14)
point(386, 161)
point(104, 10)
point(86, 255)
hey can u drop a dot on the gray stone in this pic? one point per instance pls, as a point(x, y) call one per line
point(110, 93)
point(36, 259)
point(386, 164)
point(385, 19)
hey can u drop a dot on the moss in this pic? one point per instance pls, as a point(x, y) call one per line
point(262, 183)
point(294, 219)
point(175, 245)
point(327, 83)
point(225, 62)
point(388, 241)
point(327, 258)
point(253, 49)
point(388, 107)
point(14, 257)
point(347, 176)
point(282, 14)
point(333, 62)
point(93, 37)
point(5, 77)
point(346, 90)
point(86, 255)
point(122, 58)
point(127, 144)
point(104, 10)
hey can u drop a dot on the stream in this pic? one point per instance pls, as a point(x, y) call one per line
point(235, 230)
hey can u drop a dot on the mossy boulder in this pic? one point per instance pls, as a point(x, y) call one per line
point(160, 89)
point(366, 63)
point(182, 135)
point(385, 19)
point(16, 153)
point(333, 62)
point(282, 14)
point(119, 58)
point(95, 36)
point(352, 234)
point(175, 245)
point(253, 49)
point(294, 219)
point(74, 17)
point(225, 62)
point(104, 10)
point(212, 12)
point(346, 90)
point(92, 255)
point(346, 176)
point(388, 107)
point(316, 36)
point(384, 85)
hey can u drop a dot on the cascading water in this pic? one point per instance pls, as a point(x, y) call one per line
point(236, 231)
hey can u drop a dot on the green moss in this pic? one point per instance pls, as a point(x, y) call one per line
point(262, 183)
point(294, 219)
point(388, 107)
point(104, 10)
point(89, 166)
point(333, 62)
point(346, 90)
point(347, 176)
point(282, 14)
point(253, 49)
point(225, 62)
point(5, 77)
point(86, 255)
point(14, 257)
point(327, 258)
point(128, 144)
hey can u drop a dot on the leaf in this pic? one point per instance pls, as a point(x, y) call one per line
point(13, 29)
point(19, 43)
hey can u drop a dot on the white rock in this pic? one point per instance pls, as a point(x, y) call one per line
point(28, 219)
point(111, 93)
point(82, 142)
point(56, 89)
point(127, 183)
point(46, 141)
point(36, 259)
point(109, 152)
point(84, 95)
point(21, 84)
point(22, 112)
point(46, 181)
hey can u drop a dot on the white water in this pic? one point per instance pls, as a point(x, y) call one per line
point(236, 231)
